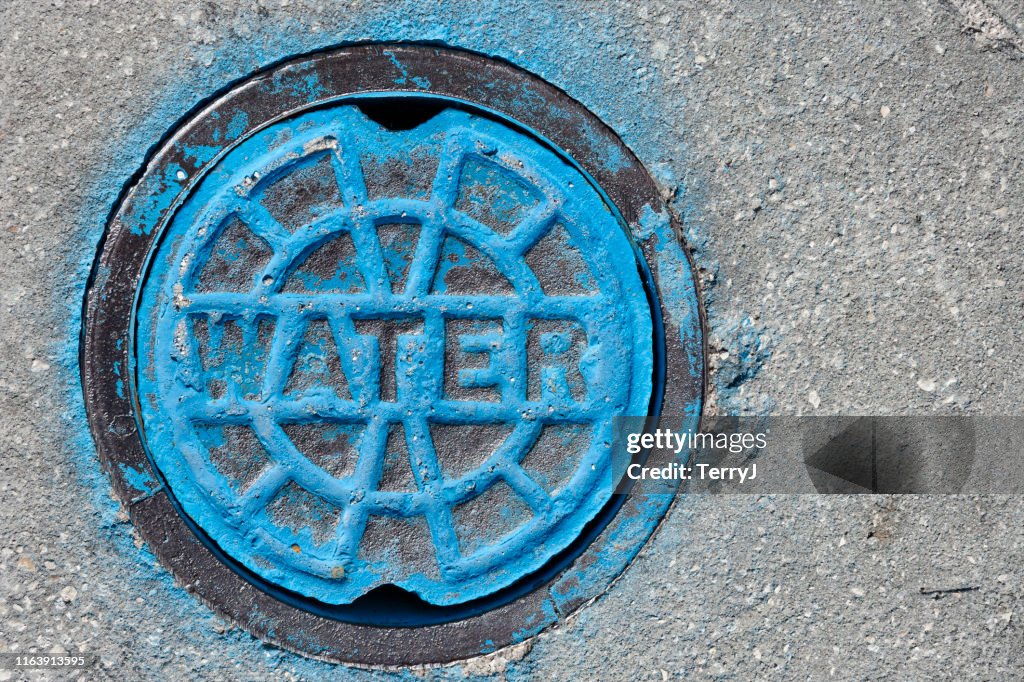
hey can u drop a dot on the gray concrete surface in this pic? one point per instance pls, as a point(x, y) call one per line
point(850, 177)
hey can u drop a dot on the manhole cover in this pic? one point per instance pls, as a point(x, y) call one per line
point(354, 346)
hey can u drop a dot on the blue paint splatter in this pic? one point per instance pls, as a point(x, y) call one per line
point(418, 81)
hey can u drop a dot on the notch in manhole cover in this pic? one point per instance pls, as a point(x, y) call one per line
point(355, 341)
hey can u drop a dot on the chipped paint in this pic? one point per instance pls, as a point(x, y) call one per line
point(140, 481)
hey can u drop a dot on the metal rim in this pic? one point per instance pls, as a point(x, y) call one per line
point(136, 225)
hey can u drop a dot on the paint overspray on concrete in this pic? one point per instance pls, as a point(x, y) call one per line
point(581, 54)
point(737, 347)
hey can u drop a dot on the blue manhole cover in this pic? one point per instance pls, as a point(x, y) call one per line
point(392, 357)
point(354, 342)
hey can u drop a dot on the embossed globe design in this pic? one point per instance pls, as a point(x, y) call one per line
point(368, 356)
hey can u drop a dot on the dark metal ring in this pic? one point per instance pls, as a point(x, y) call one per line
point(191, 149)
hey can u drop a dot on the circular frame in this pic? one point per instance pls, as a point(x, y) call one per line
point(195, 146)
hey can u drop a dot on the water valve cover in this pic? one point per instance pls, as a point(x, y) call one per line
point(370, 357)
point(356, 340)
